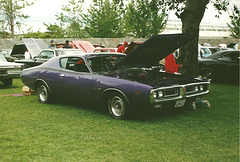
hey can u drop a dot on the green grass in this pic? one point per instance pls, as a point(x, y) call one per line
point(30, 131)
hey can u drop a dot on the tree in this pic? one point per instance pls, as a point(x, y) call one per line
point(55, 31)
point(191, 13)
point(143, 18)
point(104, 20)
point(10, 11)
point(235, 22)
point(70, 19)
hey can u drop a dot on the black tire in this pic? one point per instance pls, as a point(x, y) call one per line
point(7, 81)
point(118, 106)
point(43, 94)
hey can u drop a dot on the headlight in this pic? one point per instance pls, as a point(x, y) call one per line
point(160, 93)
point(196, 88)
point(201, 88)
point(155, 94)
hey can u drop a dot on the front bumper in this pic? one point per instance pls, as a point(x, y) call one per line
point(178, 95)
point(10, 73)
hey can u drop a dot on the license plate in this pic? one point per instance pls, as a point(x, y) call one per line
point(180, 103)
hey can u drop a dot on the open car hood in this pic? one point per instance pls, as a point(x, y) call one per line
point(85, 46)
point(153, 50)
point(34, 46)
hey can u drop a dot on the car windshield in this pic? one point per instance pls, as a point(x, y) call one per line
point(69, 52)
point(205, 52)
point(2, 58)
point(103, 63)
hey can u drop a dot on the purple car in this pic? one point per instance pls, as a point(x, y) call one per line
point(125, 84)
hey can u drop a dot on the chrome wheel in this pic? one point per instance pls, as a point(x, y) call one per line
point(43, 93)
point(117, 106)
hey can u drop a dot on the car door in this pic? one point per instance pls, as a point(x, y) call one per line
point(229, 66)
point(75, 79)
point(233, 64)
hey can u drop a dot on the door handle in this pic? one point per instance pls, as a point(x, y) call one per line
point(62, 75)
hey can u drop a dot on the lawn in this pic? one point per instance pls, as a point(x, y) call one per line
point(30, 131)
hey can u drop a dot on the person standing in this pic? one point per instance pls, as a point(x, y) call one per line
point(121, 49)
point(52, 44)
point(67, 45)
point(170, 64)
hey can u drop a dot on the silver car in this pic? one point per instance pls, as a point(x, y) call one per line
point(9, 71)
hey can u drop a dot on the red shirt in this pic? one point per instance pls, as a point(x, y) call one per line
point(121, 49)
point(170, 64)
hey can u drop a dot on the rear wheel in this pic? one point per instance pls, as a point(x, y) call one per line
point(43, 93)
point(118, 106)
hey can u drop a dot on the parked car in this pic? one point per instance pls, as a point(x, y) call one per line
point(105, 50)
point(47, 54)
point(203, 52)
point(223, 65)
point(6, 53)
point(9, 71)
point(126, 84)
point(214, 49)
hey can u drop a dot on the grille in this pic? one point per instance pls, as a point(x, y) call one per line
point(171, 92)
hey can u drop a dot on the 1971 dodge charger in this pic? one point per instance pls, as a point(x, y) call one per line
point(124, 83)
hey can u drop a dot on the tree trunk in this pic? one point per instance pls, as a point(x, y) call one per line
point(191, 18)
point(11, 18)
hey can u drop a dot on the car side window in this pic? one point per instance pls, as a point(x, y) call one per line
point(229, 57)
point(63, 62)
point(76, 64)
point(46, 54)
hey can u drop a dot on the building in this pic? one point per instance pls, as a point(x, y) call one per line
point(207, 30)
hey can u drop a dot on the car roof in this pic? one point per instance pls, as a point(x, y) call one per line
point(219, 53)
point(85, 55)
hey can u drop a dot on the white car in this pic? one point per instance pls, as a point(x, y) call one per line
point(9, 71)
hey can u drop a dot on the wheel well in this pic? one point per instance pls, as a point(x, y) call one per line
point(37, 82)
point(107, 93)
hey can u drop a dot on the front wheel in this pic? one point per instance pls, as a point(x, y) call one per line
point(118, 106)
point(43, 94)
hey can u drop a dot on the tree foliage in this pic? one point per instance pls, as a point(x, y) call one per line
point(70, 19)
point(144, 18)
point(104, 19)
point(235, 22)
point(55, 31)
point(10, 11)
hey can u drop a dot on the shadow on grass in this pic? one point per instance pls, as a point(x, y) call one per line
point(2, 86)
point(226, 81)
point(146, 115)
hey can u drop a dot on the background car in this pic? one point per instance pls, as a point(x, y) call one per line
point(214, 49)
point(223, 65)
point(47, 54)
point(9, 71)
point(125, 84)
point(105, 50)
point(203, 52)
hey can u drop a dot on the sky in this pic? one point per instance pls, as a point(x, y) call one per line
point(45, 11)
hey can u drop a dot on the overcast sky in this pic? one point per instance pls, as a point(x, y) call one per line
point(45, 11)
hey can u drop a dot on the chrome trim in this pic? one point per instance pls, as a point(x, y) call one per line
point(179, 88)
